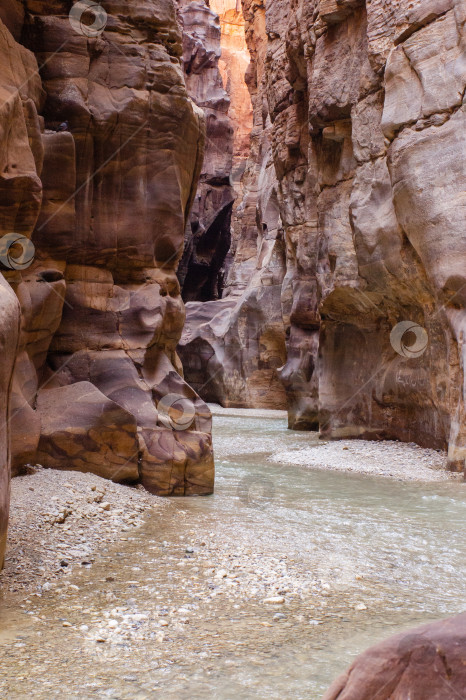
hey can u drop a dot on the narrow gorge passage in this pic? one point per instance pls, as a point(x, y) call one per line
point(178, 608)
point(232, 271)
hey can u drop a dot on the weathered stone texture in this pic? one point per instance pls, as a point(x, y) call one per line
point(207, 240)
point(362, 104)
point(105, 198)
point(9, 333)
point(426, 662)
point(231, 348)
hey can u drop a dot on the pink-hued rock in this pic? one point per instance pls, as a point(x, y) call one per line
point(9, 333)
point(357, 154)
point(232, 348)
point(207, 239)
point(426, 663)
point(101, 160)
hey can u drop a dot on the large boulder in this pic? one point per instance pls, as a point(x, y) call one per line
point(426, 663)
point(9, 331)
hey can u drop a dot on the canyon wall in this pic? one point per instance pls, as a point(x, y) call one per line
point(207, 240)
point(231, 347)
point(102, 151)
point(366, 101)
point(359, 137)
point(9, 333)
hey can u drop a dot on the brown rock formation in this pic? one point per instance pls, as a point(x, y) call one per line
point(362, 104)
point(102, 181)
point(9, 332)
point(231, 348)
point(233, 65)
point(208, 238)
point(427, 663)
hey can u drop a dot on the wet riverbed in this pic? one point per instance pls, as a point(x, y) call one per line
point(268, 589)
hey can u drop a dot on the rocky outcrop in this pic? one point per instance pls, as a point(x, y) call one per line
point(427, 662)
point(231, 348)
point(102, 162)
point(360, 114)
point(207, 240)
point(233, 65)
point(9, 332)
point(362, 105)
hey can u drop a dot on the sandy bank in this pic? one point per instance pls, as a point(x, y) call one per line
point(218, 410)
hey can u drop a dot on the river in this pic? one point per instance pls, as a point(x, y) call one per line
point(268, 589)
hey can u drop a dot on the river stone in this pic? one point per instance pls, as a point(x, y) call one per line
point(428, 662)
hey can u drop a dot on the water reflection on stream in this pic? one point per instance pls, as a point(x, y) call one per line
point(355, 558)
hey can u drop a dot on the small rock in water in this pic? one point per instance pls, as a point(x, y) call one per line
point(274, 600)
point(279, 616)
point(360, 606)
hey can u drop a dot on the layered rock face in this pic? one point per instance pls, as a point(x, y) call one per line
point(427, 662)
point(207, 241)
point(362, 104)
point(102, 157)
point(366, 102)
point(231, 348)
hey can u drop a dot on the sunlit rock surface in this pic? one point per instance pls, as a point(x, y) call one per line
point(231, 348)
point(207, 240)
point(426, 662)
point(101, 161)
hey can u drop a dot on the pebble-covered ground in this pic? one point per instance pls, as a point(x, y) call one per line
point(61, 519)
point(407, 462)
point(266, 590)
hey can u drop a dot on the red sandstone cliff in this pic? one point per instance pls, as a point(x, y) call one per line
point(101, 150)
point(358, 145)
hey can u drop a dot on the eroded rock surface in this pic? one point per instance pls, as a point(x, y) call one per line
point(427, 662)
point(102, 158)
point(9, 333)
point(207, 241)
point(231, 348)
point(357, 161)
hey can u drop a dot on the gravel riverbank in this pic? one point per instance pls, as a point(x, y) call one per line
point(59, 520)
point(397, 460)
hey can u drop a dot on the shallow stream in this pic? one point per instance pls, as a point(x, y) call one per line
point(268, 589)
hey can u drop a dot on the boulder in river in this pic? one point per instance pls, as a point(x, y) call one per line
point(426, 663)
